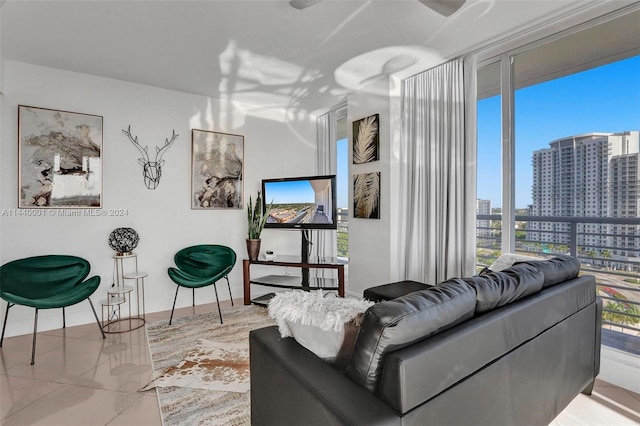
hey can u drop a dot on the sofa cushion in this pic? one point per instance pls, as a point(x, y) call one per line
point(557, 269)
point(394, 324)
point(498, 288)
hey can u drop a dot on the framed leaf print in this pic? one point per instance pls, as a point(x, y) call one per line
point(366, 139)
point(366, 195)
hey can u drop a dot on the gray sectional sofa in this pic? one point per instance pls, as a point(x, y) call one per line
point(502, 348)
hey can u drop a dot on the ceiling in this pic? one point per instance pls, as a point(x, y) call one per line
point(263, 53)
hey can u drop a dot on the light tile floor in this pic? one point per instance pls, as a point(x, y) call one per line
point(81, 379)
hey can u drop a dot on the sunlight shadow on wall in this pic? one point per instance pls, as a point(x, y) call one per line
point(204, 119)
point(253, 79)
point(260, 86)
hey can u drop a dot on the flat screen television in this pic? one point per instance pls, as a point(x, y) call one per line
point(301, 202)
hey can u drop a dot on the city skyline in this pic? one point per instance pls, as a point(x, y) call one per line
point(605, 99)
point(587, 176)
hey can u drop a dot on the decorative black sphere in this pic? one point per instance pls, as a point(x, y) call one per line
point(123, 240)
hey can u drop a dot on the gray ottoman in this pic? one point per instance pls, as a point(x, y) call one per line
point(393, 290)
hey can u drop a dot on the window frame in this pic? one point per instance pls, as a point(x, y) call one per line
point(505, 54)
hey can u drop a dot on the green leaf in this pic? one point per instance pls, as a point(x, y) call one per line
point(256, 218)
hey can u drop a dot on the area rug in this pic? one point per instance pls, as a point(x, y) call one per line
point(198, 403)
point(211, 365)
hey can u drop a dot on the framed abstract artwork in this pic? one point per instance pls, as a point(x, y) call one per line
point(366, 139)
point(60, 159)
point(217, 168)
point(366, 195)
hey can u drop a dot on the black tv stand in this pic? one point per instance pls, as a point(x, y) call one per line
point(290, 281)
point(304, 256)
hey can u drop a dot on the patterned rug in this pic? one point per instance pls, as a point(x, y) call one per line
point(172, 345)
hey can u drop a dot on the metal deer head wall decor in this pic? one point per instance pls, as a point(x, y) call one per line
point(152, 170)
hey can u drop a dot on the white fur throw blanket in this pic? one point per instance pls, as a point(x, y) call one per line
point(324, 311)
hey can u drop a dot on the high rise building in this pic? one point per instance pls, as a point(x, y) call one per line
point(624, 202)
point(483, 207)
point(590, 175)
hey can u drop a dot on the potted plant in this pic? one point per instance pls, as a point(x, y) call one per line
point(256, 219)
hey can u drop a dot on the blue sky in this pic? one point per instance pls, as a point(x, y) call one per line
point(603, 99)
point(289, 192)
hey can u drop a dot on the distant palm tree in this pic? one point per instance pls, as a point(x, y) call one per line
point(620, 313)
point(607, 255)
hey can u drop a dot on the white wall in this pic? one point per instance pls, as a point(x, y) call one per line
point(1, 57)
point(162, 217)
point(370, 239)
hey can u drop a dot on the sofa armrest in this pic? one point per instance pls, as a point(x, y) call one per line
point(292, 386)
point(599, 307)
point(598, 346)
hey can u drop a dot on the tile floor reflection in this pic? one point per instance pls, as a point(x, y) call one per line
point(81, 379)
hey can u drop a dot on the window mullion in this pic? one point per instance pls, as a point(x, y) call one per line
point(508, 154)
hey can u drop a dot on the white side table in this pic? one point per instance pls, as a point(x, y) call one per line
point(139, 276)
point(119, 298)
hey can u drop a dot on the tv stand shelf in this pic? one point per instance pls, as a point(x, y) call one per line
point(293, 282)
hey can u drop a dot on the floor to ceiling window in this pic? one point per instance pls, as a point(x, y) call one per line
point(489, 185)
point(566, 113)
point(342, 186)
point(571, 134)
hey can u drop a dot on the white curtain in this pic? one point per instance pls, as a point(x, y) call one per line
point(436, 230)
point(325, 245)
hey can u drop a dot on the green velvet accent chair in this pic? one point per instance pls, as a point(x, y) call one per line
point(202, 266)
point(46, 282)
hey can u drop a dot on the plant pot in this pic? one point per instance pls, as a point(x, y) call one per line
point(253, 249)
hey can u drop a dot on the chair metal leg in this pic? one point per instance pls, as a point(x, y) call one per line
point(35, 333)
point(64, 319)
point(4, 325)
point(218, 302)
point(229, 285)
point(193, 297)
point(174, 304)
point(97, 320)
